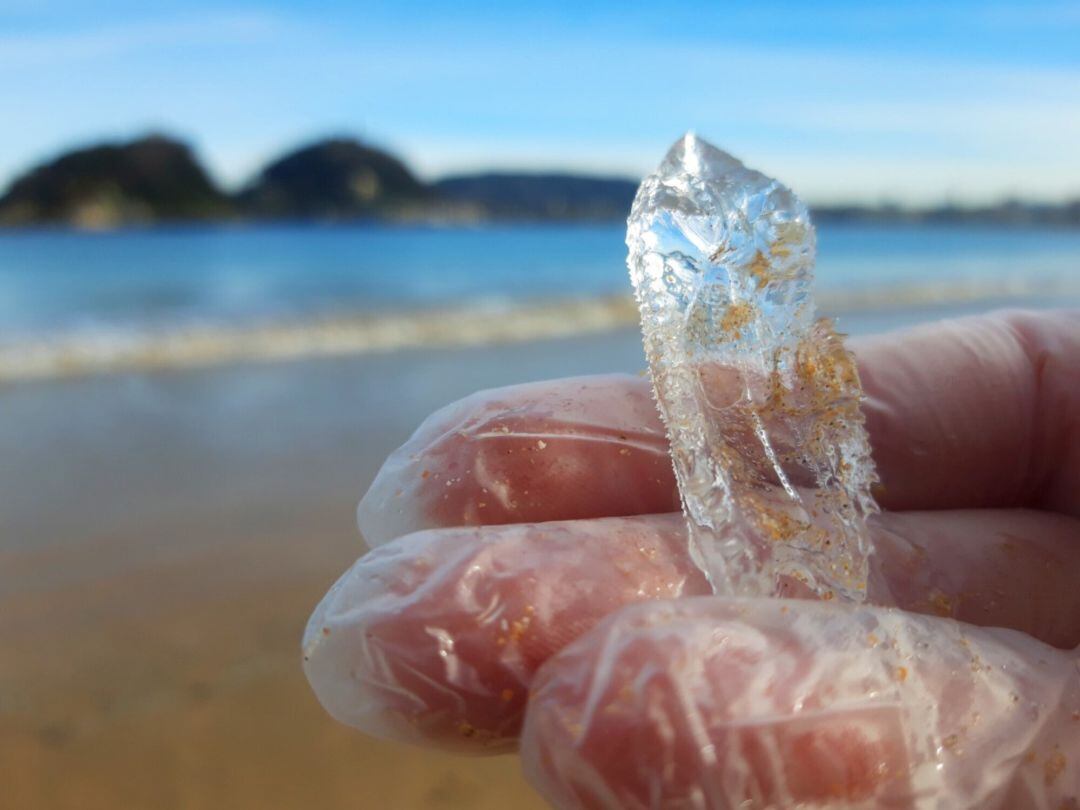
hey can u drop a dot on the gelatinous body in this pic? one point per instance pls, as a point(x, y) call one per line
point(759, 396)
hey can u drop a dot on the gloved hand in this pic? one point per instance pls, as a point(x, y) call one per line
point(530, 587)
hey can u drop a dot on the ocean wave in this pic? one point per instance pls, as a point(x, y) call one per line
point(105, 351)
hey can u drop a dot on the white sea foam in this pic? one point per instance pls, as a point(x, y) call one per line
point(109, 351)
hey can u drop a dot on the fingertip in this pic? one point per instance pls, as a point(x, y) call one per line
point(708, 703)
point(435, 637)
point(557, 450)
point(715, 702)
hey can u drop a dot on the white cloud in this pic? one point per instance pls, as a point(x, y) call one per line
point(836, 122)
point(25, 51)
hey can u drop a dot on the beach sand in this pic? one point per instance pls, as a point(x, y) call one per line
point(163, 539)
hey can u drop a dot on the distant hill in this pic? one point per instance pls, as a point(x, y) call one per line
point(333, 179)
point(1011, 213)
point(158, 179)
point(150, 179)
point(541, 196)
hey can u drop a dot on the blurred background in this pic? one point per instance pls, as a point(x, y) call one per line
point(246, 248)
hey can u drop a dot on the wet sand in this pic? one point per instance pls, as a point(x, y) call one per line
point(163, 538)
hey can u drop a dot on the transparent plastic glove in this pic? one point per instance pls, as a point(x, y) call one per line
point(635, 689)
point(716, 702)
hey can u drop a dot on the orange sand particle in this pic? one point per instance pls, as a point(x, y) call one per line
point(1053, 767)
point(736, 317)
point(941, 604)
point(759, 269)
point(518, 627)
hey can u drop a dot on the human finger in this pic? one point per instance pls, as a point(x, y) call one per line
point(717, 703)
point(977, 412)
point(1015, 568)
point(557, 450)
point(435, 637)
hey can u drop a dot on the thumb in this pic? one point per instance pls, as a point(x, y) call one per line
point(714, 703)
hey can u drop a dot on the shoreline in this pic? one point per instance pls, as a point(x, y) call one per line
point(486, 324)
point(163, 540)
point(1049, 216)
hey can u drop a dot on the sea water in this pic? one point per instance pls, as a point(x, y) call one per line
point(69, 285)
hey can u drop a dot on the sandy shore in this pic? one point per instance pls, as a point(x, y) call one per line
point(163, 538)
point(224, 344)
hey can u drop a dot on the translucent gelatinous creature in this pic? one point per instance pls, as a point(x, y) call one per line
point(759, 396)
point(526, 590)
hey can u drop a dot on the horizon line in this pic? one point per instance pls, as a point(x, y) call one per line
point(946, 200)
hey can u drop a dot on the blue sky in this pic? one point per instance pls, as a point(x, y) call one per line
point(911, 101)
